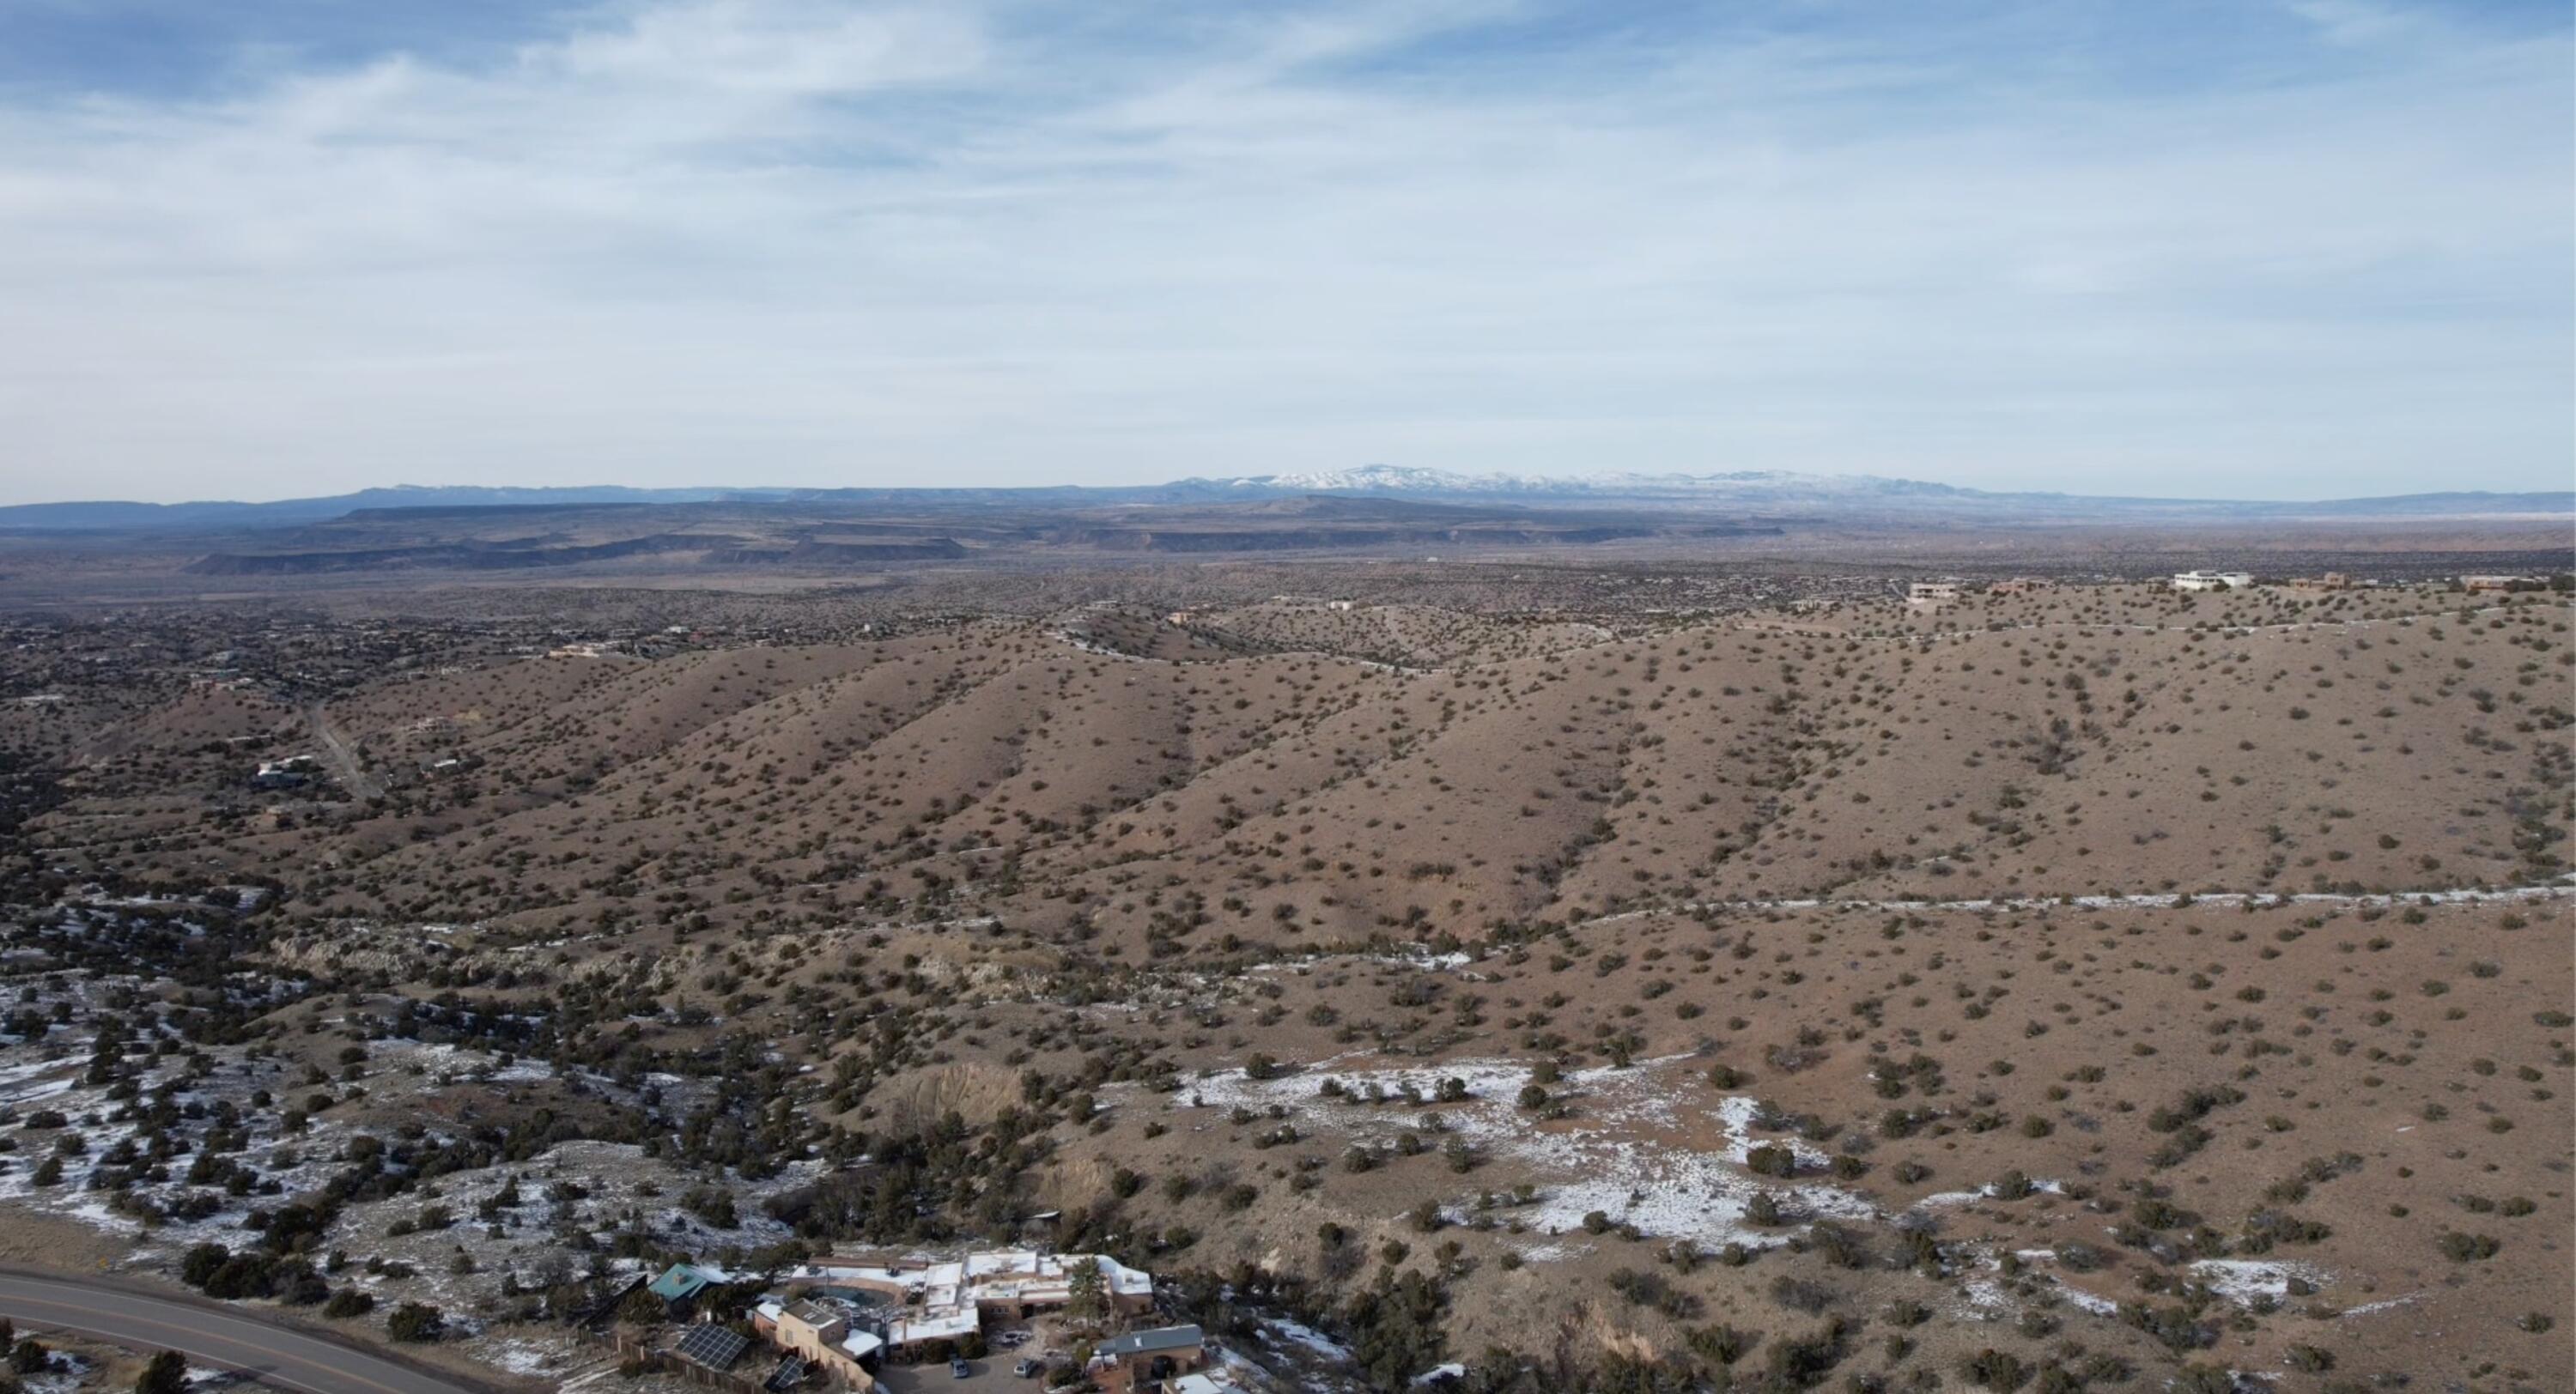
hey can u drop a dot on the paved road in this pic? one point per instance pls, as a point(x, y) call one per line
point(237, 1340)
point(352, 774)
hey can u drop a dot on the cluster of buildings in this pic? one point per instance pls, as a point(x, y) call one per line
point(1944, 590)
point(1949, 588)
point(2338, 580)
point(840, 1320)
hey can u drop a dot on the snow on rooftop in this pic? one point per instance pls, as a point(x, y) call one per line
point(935, 1325)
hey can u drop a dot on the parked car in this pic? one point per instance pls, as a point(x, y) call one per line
point(959, 1369)
point(1029, 1368)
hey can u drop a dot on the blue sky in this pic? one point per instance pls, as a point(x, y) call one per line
point(276, 247)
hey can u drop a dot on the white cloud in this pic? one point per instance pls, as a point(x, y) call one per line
point(2360, 21)
point(794, 242)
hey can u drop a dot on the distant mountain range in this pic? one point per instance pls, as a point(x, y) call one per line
point(1772, 492)
point(1844, 493)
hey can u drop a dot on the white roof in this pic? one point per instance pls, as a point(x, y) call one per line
point(1002, 1261)
point(862, 1344)
point(852, 1272)
point(1124, 1280)
point(935, 1325)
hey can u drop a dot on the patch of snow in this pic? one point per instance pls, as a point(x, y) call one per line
point(1283, 1331)
point(1638, 1149)
point(2241, 1280)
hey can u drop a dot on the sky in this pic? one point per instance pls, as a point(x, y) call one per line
point(2247, 248)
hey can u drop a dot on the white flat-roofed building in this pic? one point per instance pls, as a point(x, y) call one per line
point(2212, 580)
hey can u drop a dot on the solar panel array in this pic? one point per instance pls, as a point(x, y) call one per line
point(713, 1346)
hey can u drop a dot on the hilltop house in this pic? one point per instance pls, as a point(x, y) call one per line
point(1932, 592)
point(2212, 580)
point(289, 773)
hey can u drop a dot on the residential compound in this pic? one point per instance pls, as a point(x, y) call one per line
point(839, 1318)
point(944, 1300)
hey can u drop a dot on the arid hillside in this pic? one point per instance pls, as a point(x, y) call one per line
point(2081, 986)
point(2078, 742)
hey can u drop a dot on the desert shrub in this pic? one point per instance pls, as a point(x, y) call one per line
point(1840, 1246)
point(1721, 1344)
point(1801, 1295)
point(416, 1322)
point(2467, 1248)
point(1395, 1328)
point(1994, 1369)
point(165, 1373)
point(1647, 1288)
point(1804, 1361)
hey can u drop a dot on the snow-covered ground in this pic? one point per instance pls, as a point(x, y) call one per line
point(1646, 1145)
point(1653, 1146)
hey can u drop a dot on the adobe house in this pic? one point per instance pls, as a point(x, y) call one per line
point(822, 1336)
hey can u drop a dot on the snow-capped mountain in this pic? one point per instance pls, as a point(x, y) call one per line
point(1731, 485)
point(1781, 496)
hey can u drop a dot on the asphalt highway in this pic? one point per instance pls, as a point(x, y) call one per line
point(273, 1354)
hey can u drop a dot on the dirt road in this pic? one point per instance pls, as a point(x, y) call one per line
point(344, 757)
